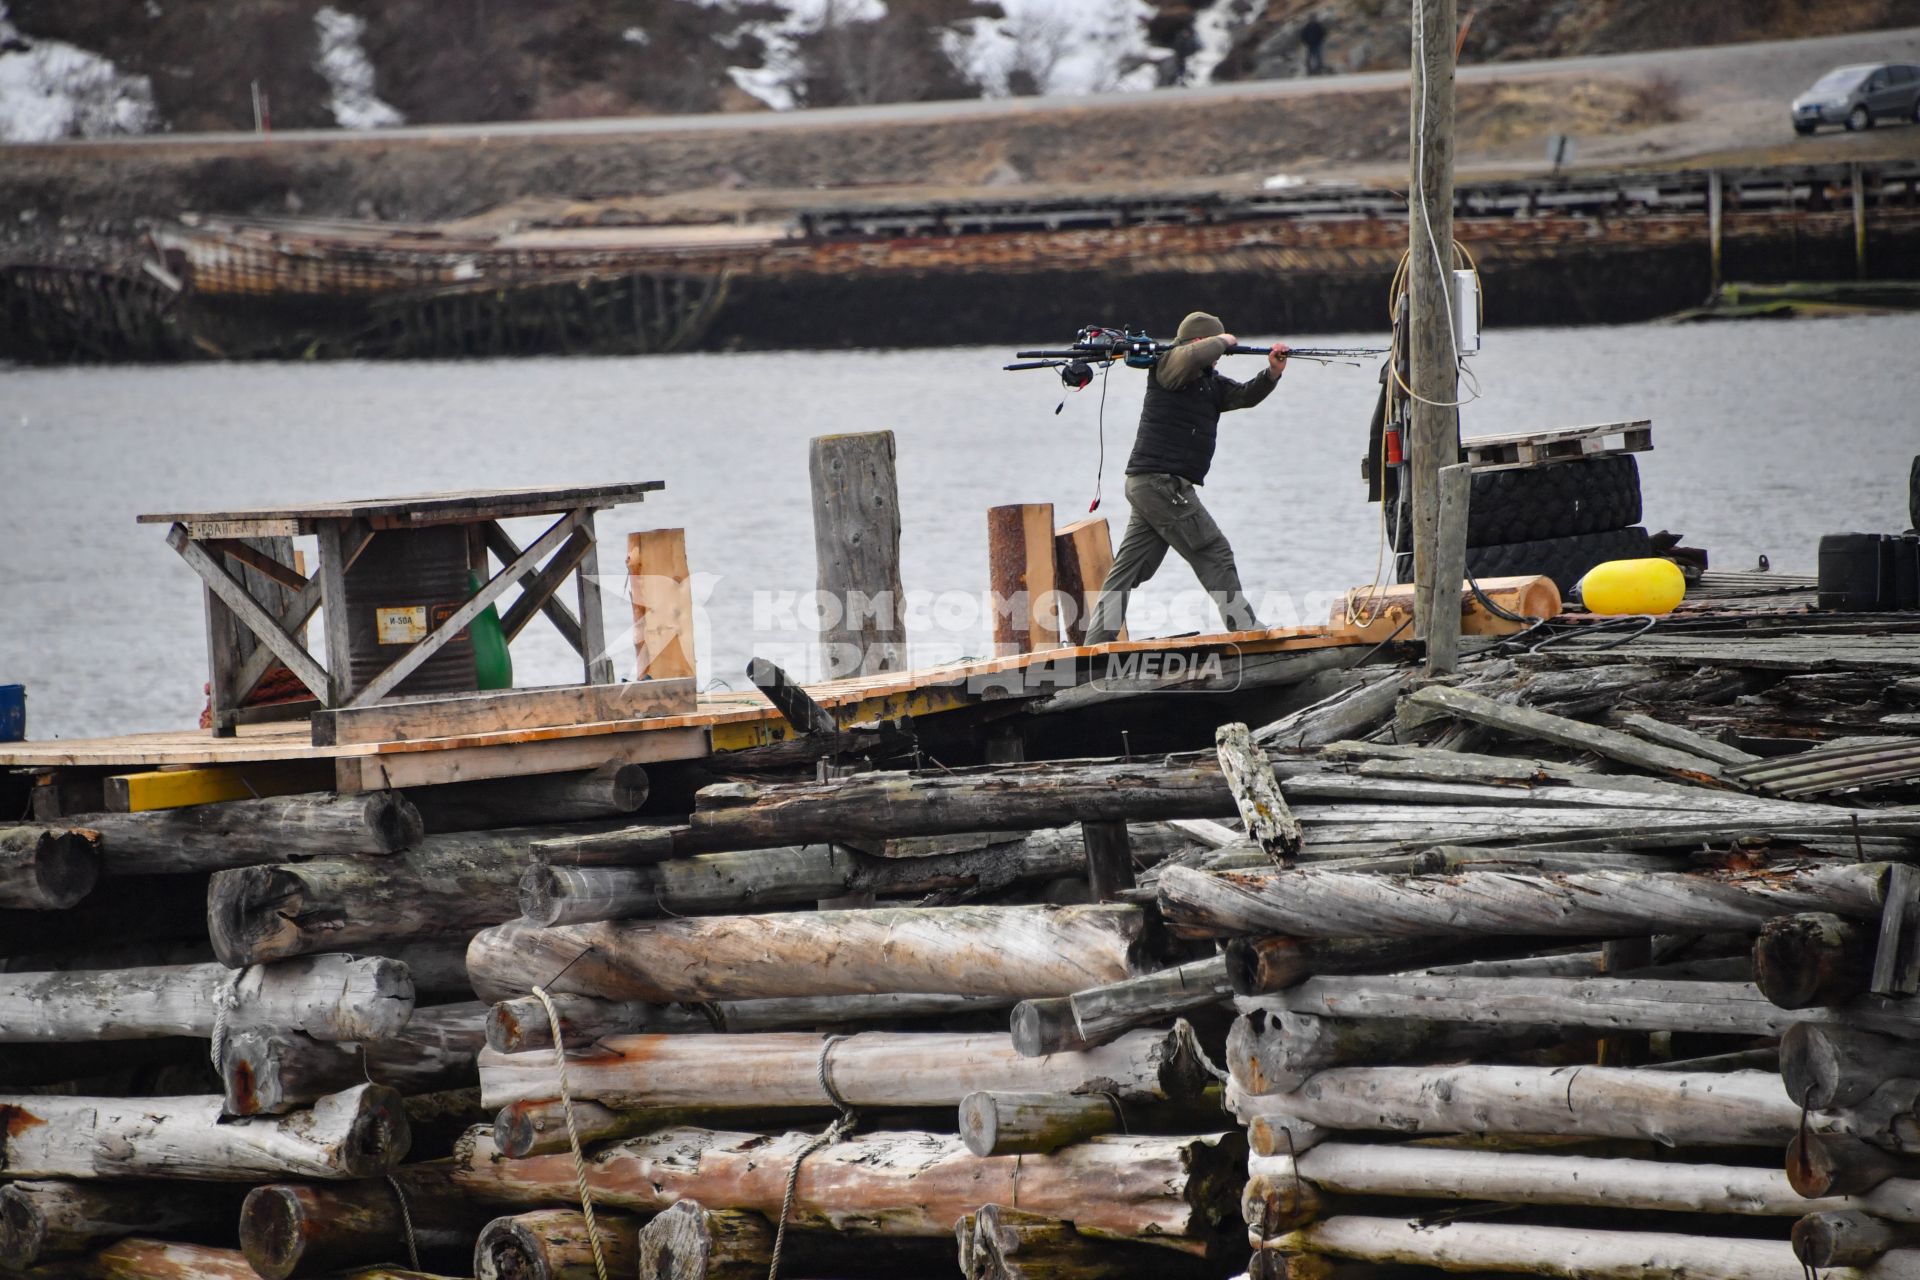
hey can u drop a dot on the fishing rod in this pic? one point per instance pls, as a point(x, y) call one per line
point(1101, 345)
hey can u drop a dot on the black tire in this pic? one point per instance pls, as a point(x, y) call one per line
point(1803, 129)
point(1565, 560)
point(1556, 500)
point(1914, 115)
point(1913, 495)
point(1859, 119)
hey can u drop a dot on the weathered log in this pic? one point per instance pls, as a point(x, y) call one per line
point(138, 1258)
point(613, 790)
point(539, 1126)
point(1276, 1052)
point(1270, 1204)
point(1838, 1164)
point(239, 833)
point(520, 1025)
point(1017, 951)
point(1826, 1066)
point(330, 997)
point(1331, 904)
point(1351, 712)
point(269, 1072)
point(1529, 722)
point(1817, 958)
point(1067, 1024)
point(1532, 1178)
point(721, 882)
point(445, 885)
point(1261, 966)
point(42, 1220)
point(1173, 1192)
point(1012, 1244)
point(1005, 1123)
point(688, 1242)
point(1848, 1238)
point(872, 1069)
point(290, 1230)
point(552, 1244)
point(1256, 793)
point(356, 1133)
point(1636, 1004)
point(46, 868)
point(883, 805)
point(1740, 1108)
point(1575, 1253)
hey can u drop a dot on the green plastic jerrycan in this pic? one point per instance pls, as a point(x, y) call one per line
point(492, 664)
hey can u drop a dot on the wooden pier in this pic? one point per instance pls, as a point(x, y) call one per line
point(1252, 953)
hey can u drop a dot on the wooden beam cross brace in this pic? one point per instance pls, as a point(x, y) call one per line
point(249, 611)
point(501, 543)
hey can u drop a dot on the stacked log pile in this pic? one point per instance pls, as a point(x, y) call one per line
point(1553, 967)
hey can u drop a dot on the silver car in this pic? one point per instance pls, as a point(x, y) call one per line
point(1858, 96)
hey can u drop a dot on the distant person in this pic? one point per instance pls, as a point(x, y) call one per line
point(1312, 37)
point(1179, 423)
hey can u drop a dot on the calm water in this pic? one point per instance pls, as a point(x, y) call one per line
point(1768, 436)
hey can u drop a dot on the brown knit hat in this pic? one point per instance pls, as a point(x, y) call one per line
point(1199, 324)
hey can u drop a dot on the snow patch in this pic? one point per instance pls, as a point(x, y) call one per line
point(1062, 47)
point(50, 90)
point(343, 64)
point(1215, 28)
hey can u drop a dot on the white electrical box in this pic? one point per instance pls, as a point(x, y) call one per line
point(1466, 311)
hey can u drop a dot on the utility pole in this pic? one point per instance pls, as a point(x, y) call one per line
point(1433, 372)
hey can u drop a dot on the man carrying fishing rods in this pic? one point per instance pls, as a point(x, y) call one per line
point(1179, 423)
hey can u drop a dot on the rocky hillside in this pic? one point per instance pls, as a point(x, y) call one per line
point(92, 67)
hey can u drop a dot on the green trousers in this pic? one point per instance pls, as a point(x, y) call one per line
point(1167, 512)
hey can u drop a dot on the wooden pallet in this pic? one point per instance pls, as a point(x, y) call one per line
point(1532, 448)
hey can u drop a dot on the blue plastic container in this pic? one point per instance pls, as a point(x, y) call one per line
point(13, 713)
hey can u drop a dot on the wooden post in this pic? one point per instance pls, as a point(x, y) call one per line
point(1082, 556)
point(1449, 568)
point(663, 638)
point(1859, 221)
point(1436, 427)
point(1021, 577)
point(1633, 1048)
point(856, 541)
point(596, 661)
point(1716, 208)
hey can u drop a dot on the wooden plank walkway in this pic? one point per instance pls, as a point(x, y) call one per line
point(727, 721)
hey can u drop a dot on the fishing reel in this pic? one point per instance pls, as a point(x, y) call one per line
point(1075, 374)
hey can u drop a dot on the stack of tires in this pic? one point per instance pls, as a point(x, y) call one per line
point(1558, 519)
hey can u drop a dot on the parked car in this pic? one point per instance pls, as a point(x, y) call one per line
point(1858, 96)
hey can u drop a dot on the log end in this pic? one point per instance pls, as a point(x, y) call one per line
point(274, 1229)
point(23, 1230)
point(979, 1122)
point(1262, 966)
point(540, 897)
point(1812, 960)
point(61, 869)
point(630, 788)
point(242, 923)
point(1044, 1026)
point(377, 1136)
point(393, 821)
point(520, 1129)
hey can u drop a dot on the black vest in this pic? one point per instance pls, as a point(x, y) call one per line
point(1177, 428)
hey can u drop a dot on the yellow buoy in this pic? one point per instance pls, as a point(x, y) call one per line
point(1652, 585)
